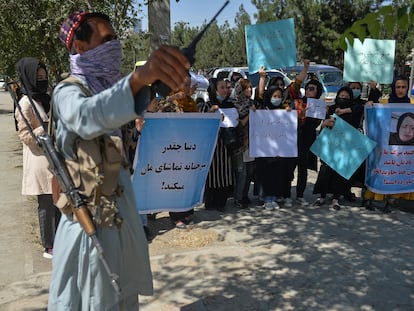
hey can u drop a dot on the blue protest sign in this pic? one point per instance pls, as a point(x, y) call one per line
point(272, 45)
point(343, 147)
point(371, 60)
point(172, 160)
point(390, 167)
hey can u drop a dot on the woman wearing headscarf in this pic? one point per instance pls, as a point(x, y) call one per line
point(274, 174)
point(329, 181)
point(37, 179)
point(382, 202)
point(244, 165)
point(180, 101)
point(220, 178)
point(306, 137)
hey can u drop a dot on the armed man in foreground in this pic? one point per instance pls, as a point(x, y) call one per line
point(89, 109)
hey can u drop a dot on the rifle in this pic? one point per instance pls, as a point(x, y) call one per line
point(189, 52)
point(59, 169)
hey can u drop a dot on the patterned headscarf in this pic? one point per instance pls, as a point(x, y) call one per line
point(242, 102)
point(69, 26)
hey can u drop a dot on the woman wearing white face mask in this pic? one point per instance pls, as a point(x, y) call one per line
point(274, 173)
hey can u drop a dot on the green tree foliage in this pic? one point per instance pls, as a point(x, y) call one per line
point(220, 46)
point(393, 21)
point(31, 28)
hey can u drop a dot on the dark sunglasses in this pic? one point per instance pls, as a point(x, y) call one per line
point(311, 88)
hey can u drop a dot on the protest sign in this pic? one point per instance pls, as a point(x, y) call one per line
point(390, 167)
point(272, 45)
point(230, 117)
point(273, 133)
point(316, 108)
point(371, 60)
point(172, 160)
point(343, 148)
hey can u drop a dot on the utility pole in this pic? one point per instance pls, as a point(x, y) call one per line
point(159, 23)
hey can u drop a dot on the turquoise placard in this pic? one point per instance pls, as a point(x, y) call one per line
point(343, 147)
point(272, 45)
point(371, 60)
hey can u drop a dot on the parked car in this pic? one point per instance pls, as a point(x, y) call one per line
point(3, 81)
point(331, 78)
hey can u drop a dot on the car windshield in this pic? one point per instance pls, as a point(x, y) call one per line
point(331, 77)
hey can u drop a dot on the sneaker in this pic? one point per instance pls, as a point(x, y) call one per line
point(350, 197)
point(288, 202)
point(269, 205)
point(240, 204)
point(275, 205)
point(319, 202)
point(48, 253)
point(302, 202)
point(335, 205)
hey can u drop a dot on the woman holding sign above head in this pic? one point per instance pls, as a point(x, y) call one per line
point(220, 179)
point(275, 173)
point(382, 202)
point(306, 137)
point(291, 97)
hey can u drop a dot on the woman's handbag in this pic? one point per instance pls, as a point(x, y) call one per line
point(231, 137)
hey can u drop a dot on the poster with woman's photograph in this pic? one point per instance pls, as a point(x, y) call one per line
point(402, 129)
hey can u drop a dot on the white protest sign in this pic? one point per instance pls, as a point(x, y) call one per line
point(273, 133)
point(316, 108)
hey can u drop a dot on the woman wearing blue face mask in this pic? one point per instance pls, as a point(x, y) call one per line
point(274, 173)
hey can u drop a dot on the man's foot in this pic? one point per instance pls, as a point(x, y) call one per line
point(48, 253)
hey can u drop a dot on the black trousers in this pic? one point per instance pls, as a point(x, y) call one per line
point(49, 216)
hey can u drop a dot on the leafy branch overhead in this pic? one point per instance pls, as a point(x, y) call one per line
point(382, 24)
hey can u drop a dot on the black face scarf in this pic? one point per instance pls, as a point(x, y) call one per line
point(343, 102)
point(27, 69)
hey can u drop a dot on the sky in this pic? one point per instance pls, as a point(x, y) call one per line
point(196, 12)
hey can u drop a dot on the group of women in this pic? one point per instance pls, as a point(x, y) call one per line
point(232, 169)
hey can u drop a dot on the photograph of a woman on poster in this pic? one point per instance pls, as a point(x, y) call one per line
point(405, 130)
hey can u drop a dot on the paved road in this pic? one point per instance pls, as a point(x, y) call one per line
point(253, 259)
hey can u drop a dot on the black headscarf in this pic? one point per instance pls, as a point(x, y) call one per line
point(318, 85)
point(267, 97)
point(393, 97)
point(344, 103)
point(27, 69)
point(395, 137)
